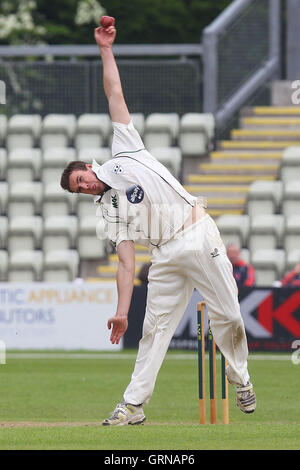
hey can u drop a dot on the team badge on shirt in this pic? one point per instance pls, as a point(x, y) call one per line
point(117, 169)
point(135, 194)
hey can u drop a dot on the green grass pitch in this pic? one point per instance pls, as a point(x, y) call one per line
point(59, 402)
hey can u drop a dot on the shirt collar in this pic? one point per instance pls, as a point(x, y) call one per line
point(98, 170)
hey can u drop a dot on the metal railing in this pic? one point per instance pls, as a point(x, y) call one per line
point(87, 50)
point(239, 55)
point(67, 79)
point(241, 52)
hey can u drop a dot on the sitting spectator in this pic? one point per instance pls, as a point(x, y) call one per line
point(293, 277)
point(243, 273)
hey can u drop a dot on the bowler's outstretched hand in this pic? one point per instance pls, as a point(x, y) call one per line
point(119, 326)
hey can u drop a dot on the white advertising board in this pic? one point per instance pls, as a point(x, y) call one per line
point(57, 316)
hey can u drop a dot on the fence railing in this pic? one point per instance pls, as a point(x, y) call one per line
point(87, 50)
point(239, 55)
point(241, 52)
point(68, 79)
point(65, 87)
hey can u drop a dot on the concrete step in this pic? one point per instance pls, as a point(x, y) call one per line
point(270, 123)
point(217, 212)
point(110, 270)
point(226, 203)
point(229, 179)
point(284, 111)
point(139, 259)
point(140, 249)
point(256, 145)
point(217, 190)
point(137, 282)
point(238, 168)
point(247, 157)
point(265, 134)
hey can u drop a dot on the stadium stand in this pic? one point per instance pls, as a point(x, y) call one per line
point(23, 131)
point(57, 130)
point(60, 265)
point(161, 130)
point(24, 233)
point(92, 131)
point(24, 165)
point(196, 133)
point(251, 182)
point(25, 266)
point(3, 163)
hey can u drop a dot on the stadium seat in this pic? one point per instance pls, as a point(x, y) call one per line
point(60, 266)
point(269, 265)
point(290, 164)
point(57, 130)
point(291, 198)
point(3, 231)
point(55, 159)
point(91, 238)
point(86, 206)
point(92, 131)
point(101, 155)
point(24, 233)
point(245, 255)
point(234, 229)
point(196, 133)
point(24, 165)
point(161, 130)
point(60, 232)
point(3, 129)
point(25, 266)
point(170, 157)
point(264, 197)
point(25, 198)
point(138, 120)
point(23, 131)
point(3, 265)
point(292, 258)
point(292, 233)
point(3, 164)
point(3, 197)
point(266, 231)
point(56, 201)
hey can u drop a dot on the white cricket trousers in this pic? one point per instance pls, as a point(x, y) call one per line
point(196, 258)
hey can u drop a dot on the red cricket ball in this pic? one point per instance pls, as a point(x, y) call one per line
point(107, 21)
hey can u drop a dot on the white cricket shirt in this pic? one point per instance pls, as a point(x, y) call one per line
point(146, 203)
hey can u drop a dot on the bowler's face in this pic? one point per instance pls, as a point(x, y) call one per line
point(86, 182)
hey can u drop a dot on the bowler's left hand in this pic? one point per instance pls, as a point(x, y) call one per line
point(119, 326)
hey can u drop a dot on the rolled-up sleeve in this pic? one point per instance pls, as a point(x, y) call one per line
point(118, 233)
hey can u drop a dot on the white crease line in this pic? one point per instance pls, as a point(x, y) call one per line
point(118, 356)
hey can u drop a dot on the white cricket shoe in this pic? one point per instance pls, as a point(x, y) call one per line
point(125, 413)
point(245, 396)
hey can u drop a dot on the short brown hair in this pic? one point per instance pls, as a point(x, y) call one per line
point(65, 177)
